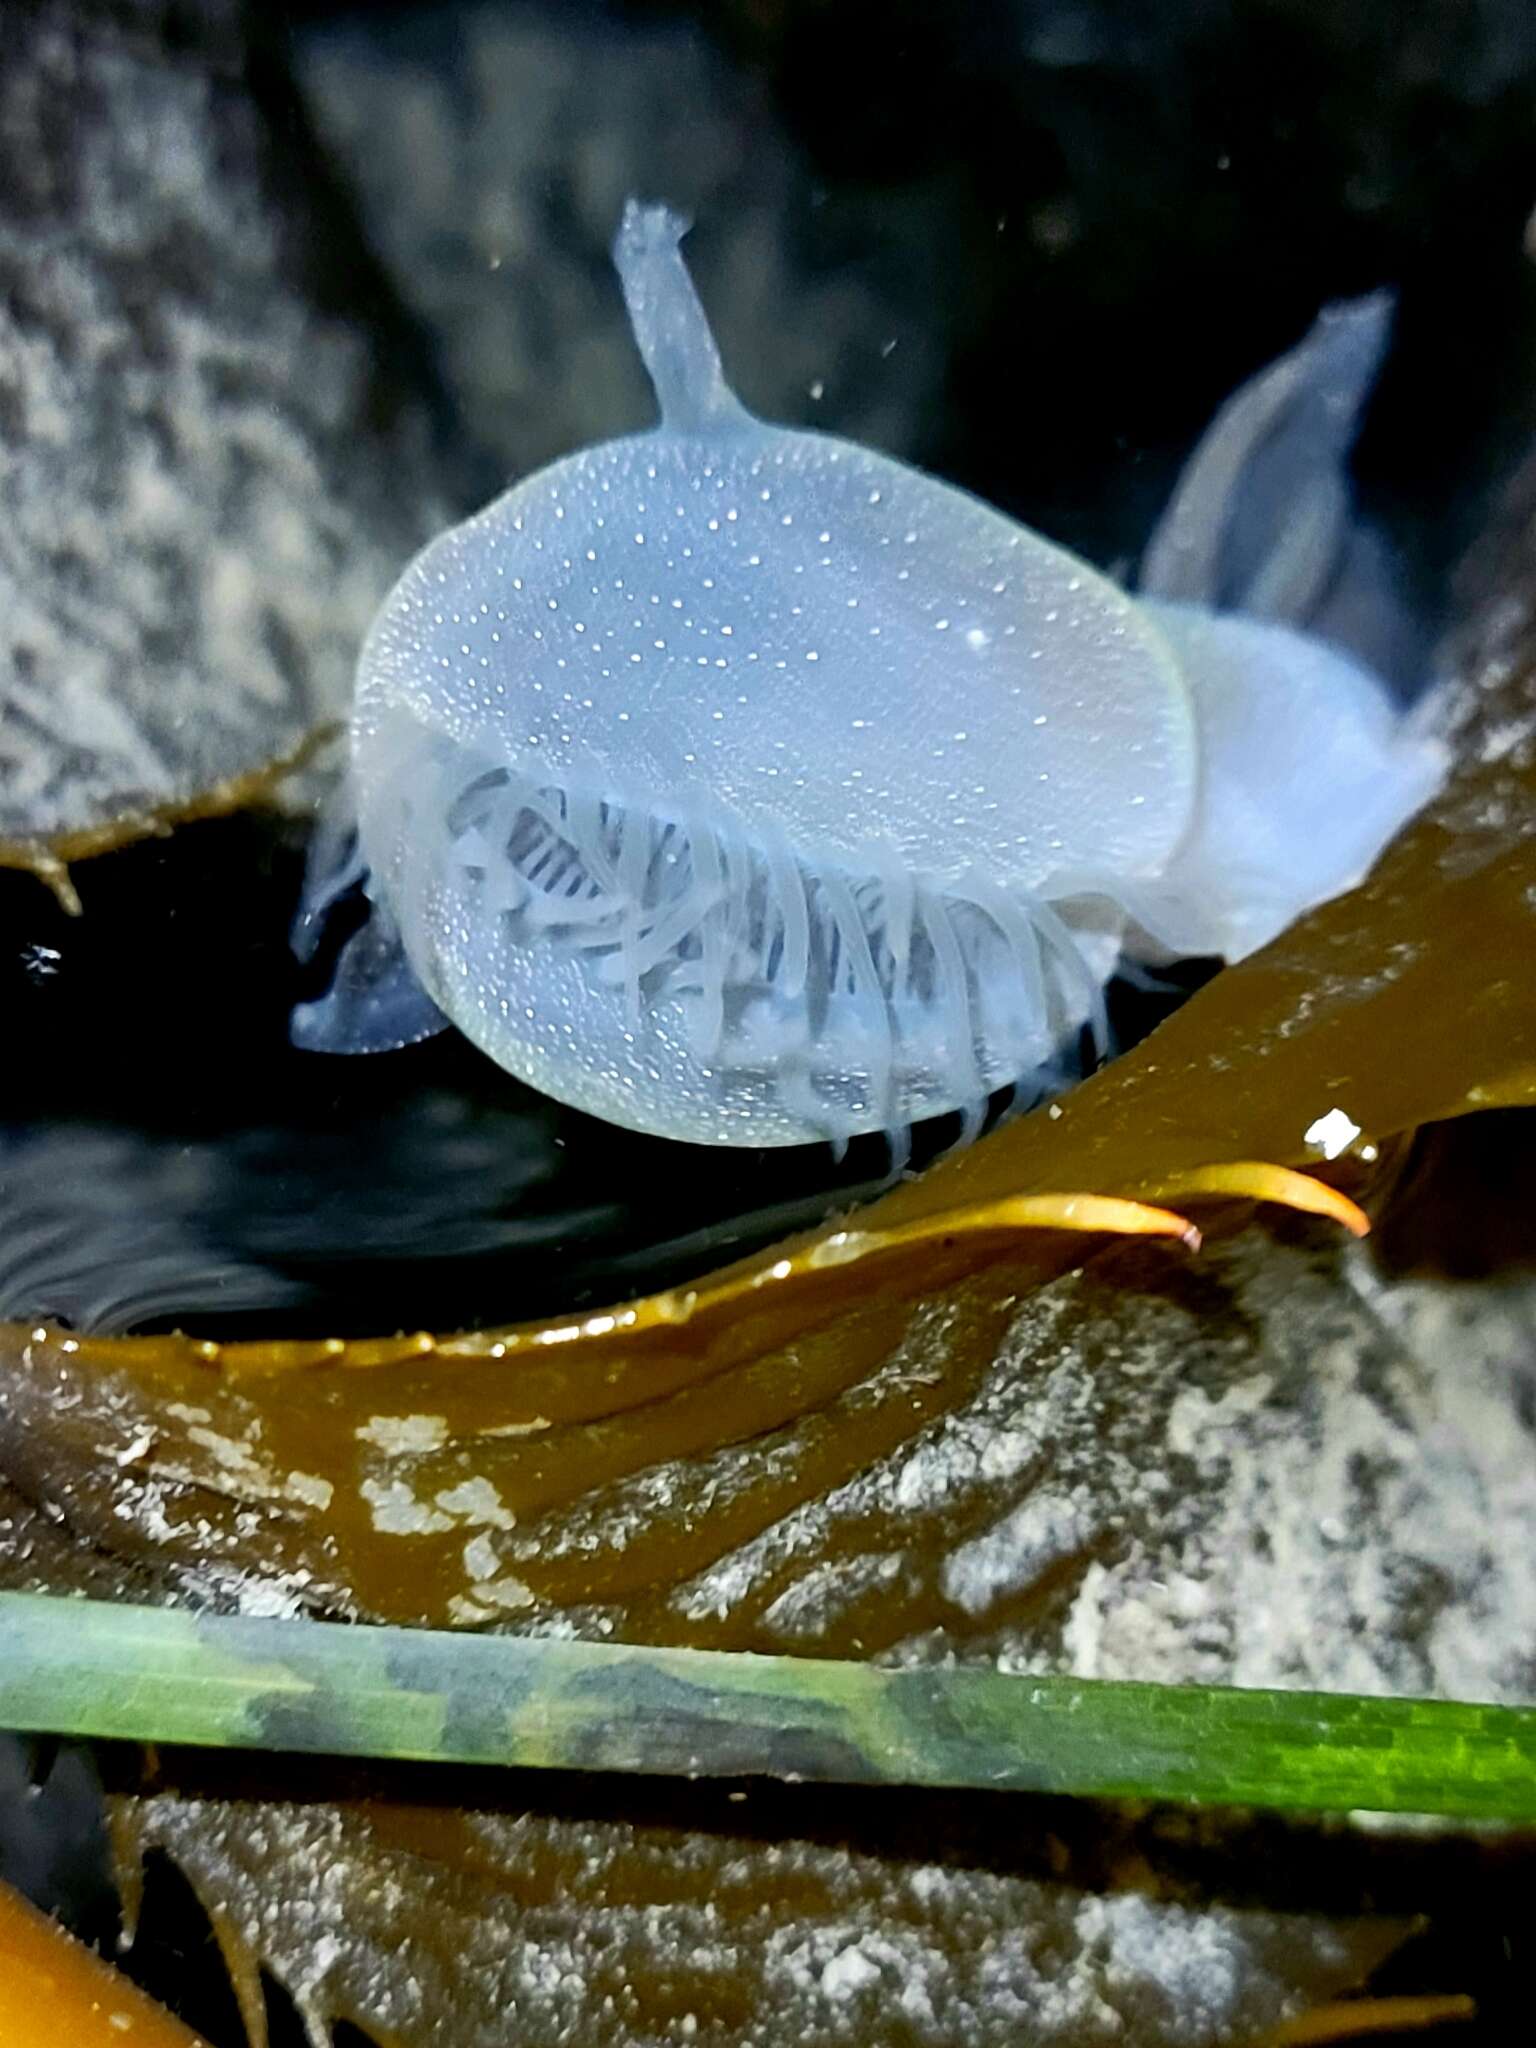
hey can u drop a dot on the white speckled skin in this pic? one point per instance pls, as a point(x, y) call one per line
point(795, 632)
point(745, 786)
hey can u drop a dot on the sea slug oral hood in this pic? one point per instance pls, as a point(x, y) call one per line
point(743, 785)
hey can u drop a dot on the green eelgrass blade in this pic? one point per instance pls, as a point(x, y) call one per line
point(84, 1667)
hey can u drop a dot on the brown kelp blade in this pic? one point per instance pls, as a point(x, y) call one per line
point(53, 1989)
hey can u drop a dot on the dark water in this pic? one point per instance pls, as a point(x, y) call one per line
point(168, 1158)
point(171, 1155)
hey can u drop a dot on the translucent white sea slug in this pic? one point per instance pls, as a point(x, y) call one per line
point(742, 785)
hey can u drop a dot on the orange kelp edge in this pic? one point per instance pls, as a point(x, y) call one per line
point(50, 858)
point(1356, 2019)
point(1255, 1181)
point(53, 1989)
point(675, 1308)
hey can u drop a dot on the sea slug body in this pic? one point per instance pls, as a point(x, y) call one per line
point(742, 785)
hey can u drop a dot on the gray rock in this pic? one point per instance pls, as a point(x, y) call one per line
point(492, 151)
point(206, 478)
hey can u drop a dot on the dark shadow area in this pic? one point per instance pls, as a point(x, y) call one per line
point(168, 1158)
point(1463, 1200)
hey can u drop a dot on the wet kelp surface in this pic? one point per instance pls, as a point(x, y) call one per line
point(1285, 1460)
point(726, 1915)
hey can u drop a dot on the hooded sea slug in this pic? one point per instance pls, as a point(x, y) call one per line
point(740, 784)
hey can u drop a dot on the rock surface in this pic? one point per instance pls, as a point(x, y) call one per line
point(208, 476)
point(492, 150)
